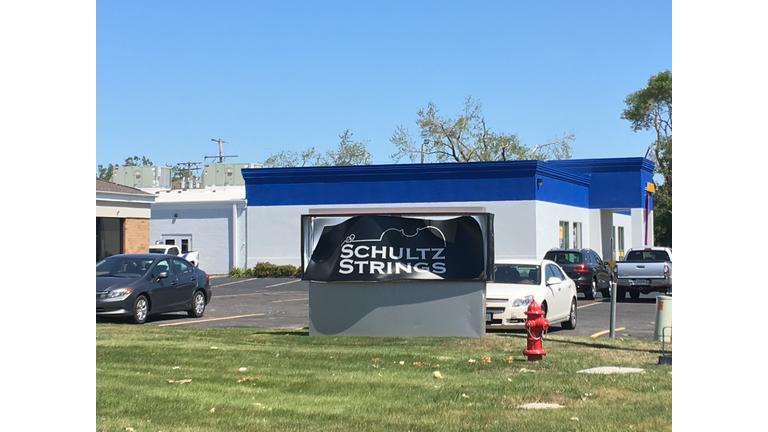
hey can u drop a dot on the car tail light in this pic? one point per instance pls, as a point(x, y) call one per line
point(666, 270)
point(207, 277)
point(581, 269)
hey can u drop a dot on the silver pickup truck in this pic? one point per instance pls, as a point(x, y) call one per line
point(644, 270)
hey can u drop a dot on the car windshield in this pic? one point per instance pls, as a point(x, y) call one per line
point(518, 273)
point(562, 257)
point(123, 267)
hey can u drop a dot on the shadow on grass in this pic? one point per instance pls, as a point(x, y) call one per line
point(150, 319)
point(521, 334)
point(283, 332)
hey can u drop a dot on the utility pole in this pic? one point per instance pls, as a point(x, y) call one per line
point(221, 157)
point(189, 169)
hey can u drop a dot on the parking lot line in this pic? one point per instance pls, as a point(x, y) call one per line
point(290, 300)
point(600, 333)
point(589, 304)
point(209, 320)
point(284, 283)
point(230, 283)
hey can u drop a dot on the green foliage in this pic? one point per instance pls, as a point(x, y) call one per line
point(137, 161)
point(650, 108)
point(296, 382)
point(348, 152)
point(264, 269)
point(467, 138)
point(662, 199)
point(105, 173)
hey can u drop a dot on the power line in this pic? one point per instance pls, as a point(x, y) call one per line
point(220, 156)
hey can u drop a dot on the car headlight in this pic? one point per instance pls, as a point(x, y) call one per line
point(122, 292)
point(523, 301)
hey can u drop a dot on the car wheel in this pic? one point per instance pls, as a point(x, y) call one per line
point(140, 309)
point(592, 290)
point(621, 294)
point(634, 294)
point(606, 293)
point(198, 305)
point(571, 323)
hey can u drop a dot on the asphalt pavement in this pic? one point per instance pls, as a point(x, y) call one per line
point(284, 303)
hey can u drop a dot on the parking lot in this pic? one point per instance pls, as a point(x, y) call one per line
point(284, 303)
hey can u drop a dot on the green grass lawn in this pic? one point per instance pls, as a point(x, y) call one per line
point(189, 379)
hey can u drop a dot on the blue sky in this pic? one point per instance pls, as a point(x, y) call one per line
point(266, 76)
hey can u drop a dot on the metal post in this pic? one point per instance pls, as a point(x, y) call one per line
point(613, 309)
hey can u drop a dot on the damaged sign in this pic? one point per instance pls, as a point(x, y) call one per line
point(389, 248)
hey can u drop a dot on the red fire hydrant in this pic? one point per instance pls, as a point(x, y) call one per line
point(536, 325)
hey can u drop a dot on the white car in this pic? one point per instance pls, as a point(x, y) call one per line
point(518, 283)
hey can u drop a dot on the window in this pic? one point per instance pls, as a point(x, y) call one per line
point(562, 257)
point(183, 241)
point(181, 267)
point(621, 242)
point(553, 271)
point(597, 259)
point(563, 235)
point(109, 237)
point(162, 266)
point(516, 273)
point(577, 235)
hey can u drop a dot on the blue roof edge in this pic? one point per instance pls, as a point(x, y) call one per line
point(428, 171)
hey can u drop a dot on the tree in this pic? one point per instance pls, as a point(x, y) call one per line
point(105, 173)
point(467, 138)
point(137, 161)
point(651, 108)
point(349, 152)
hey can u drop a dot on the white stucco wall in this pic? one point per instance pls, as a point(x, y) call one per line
point(522, 229)
point(214, 221)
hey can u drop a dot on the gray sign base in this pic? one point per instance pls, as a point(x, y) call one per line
point(397, 309)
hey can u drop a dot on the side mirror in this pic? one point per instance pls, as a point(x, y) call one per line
point(554, 280)
point(161, 275)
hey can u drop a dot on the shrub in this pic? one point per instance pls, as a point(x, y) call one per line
point(263, 269)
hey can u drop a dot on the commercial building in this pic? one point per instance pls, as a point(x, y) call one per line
point(122, 219)
point(602, 204)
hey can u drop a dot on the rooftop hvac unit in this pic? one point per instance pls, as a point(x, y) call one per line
point(224, 174)
point(142, 176)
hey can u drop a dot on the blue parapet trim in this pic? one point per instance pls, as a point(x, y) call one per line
point(568, 184)
point(616, 183)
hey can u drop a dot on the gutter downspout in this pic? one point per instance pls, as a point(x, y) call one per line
point(234, 236)
point(647, 199)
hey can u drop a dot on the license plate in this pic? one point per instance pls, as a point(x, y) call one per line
point(488, 316)
point(639, 282)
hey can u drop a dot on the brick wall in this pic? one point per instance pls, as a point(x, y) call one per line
point(135, 235)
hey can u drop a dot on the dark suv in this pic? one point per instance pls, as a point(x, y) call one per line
point(586, 268)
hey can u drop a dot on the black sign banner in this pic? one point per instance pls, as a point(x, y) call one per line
point(388, 248)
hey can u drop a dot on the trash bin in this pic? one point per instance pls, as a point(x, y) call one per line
point(663, 331)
